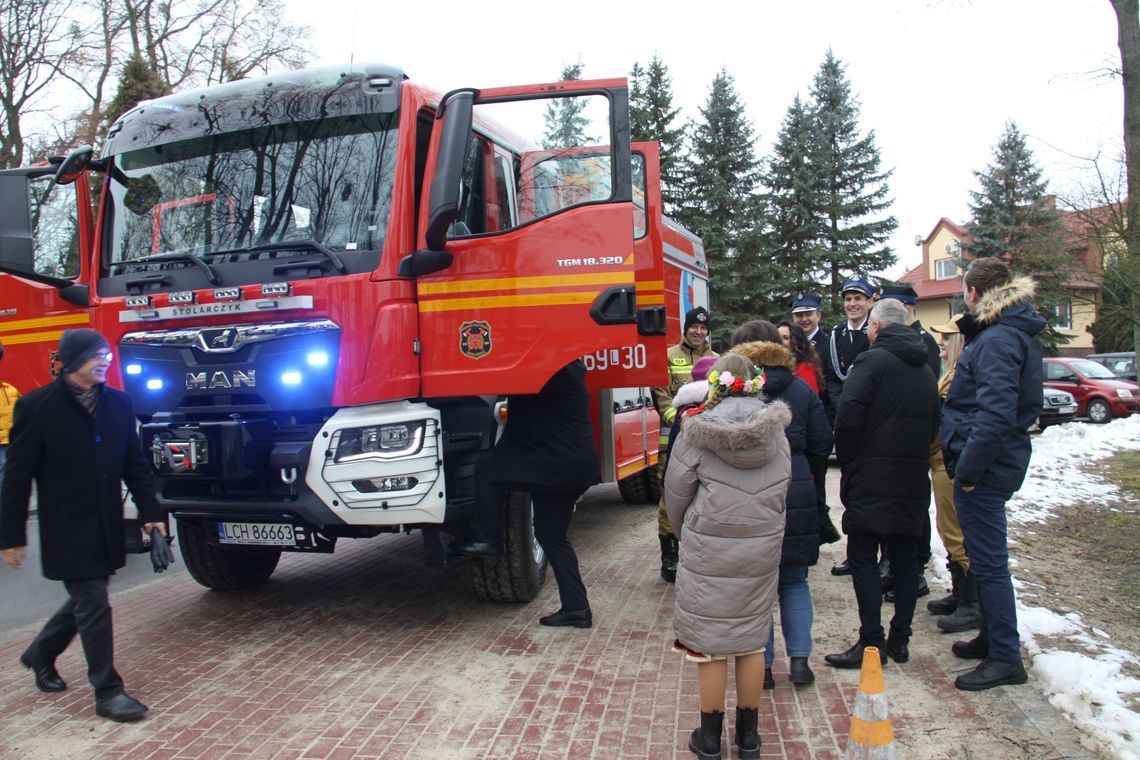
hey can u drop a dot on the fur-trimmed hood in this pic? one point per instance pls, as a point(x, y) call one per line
point(766, 354)
point(691, 393)
point(1011, 304)
point(743, 431)
point(998, 300)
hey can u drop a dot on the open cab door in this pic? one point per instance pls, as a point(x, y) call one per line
point(45, 246)
point(528, 256)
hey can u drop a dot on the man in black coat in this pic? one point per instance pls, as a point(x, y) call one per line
point(76, 439)
point(883, 429)
point(547, 450)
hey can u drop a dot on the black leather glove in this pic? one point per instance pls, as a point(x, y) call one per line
point(828, 534)
point(160, 554)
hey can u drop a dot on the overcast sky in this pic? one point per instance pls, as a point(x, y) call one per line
point(937, 80)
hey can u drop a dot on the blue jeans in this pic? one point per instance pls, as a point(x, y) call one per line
point(981, 514)
point(796, 614)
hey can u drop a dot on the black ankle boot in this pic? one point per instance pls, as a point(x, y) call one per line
point(669, 550)
point(705, 741)
point(747, 735)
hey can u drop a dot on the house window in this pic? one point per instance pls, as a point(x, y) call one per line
point(946, 269)
point(1064, 315)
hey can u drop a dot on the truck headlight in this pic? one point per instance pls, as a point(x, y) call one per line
point(380, 441)
point(1124, 392)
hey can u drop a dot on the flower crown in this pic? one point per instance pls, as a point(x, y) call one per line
point(737, 384)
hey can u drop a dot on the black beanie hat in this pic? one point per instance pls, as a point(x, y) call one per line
point(77, 346)
point(697, 316)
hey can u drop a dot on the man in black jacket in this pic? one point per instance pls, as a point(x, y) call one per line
point(883, 429)
point(547, 450)
point(75, 438)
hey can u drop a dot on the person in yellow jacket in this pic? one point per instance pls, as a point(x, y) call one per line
point(693, 346)
point(8, 396)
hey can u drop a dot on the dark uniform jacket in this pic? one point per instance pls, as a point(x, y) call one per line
point(78, 462)
point(883, 429)
point(995, 395)
point(843, 346)
point(934, 357)
point(809, 441)
point(548, 442)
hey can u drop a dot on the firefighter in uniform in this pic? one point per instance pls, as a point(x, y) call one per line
point(694, 344)
point(844, 343)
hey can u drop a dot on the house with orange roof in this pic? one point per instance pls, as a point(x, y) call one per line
point(938, 279)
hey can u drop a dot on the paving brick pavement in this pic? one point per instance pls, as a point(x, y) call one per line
point(367, 654)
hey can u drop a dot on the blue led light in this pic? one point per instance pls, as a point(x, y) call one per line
point(291, 378)
point(133, 369)
point(317, 359)
point(154, 384)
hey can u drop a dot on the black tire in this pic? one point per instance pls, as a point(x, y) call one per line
point(518, 575)
point(1099, 411)
point(640, 488)
point(224, 568)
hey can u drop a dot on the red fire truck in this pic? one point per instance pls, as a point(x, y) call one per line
point(321, 285)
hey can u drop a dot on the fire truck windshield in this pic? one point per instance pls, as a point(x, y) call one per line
point(285, 189)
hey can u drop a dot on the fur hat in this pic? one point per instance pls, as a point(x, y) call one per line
point(77, 346)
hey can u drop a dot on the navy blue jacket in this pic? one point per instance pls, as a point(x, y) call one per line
point(809, 439)
point(996, 393)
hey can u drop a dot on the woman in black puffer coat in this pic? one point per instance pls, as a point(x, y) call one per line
point(810, 441)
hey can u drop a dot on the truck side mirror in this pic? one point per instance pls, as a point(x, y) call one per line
point(456, 111)
point(74, 165)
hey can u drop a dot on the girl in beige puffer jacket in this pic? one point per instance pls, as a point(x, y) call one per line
point(725, 487)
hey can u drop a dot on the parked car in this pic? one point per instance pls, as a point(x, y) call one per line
point(1100, 394)
point(1057, 407)
point(1120, 363)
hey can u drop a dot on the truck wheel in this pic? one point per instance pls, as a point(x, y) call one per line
point(640, 488)
point(1098, 411)
point(224, 568)
point(518, 575)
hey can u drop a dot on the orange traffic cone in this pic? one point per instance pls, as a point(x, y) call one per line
point(871, 734)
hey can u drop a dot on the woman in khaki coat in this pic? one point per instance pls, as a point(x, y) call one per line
point(725, 488)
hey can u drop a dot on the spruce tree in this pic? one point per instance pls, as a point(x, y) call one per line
point(793, 204)
point(652, 117)
point(854, 199)
point(1015, 218)
point(722, 177)
point(137, 82)
point(565, 124)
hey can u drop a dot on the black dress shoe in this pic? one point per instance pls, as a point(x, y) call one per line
point(121, 708)
point(974, 649)
point(576, 618)
point(992, 673)
point(852, 659)
point(769, 680)
point(47, 678)
point(841, 568)
point(480, 549)
point(899, 652)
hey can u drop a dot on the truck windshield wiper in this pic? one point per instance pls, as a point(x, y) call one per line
point(289, 245)
point(193, 258)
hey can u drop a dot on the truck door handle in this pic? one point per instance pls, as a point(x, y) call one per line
point(616, 305)
point(651, 320)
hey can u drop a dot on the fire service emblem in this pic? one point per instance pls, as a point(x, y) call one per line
point(475, 339)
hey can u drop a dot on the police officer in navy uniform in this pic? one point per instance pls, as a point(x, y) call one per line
point(845, 342)
point(908, 297)
point(806, 313)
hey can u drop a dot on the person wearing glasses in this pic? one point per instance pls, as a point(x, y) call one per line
point(76, 439)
